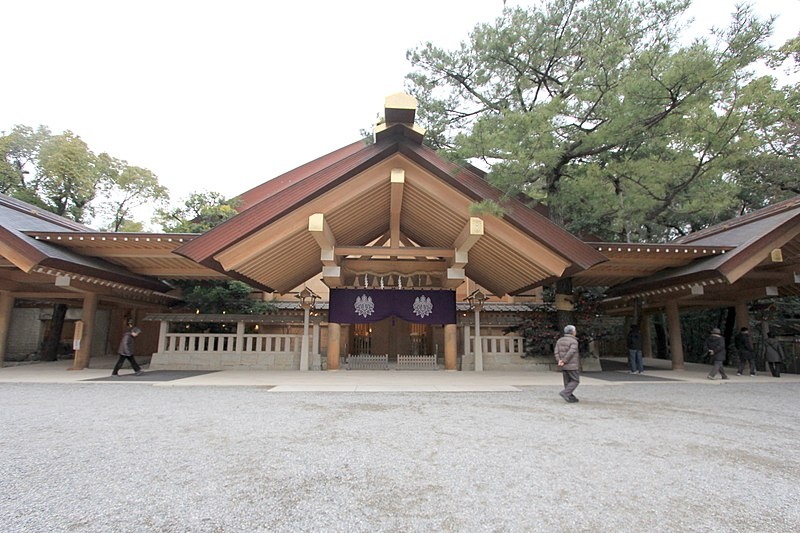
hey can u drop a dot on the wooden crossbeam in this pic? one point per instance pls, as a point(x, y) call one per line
point(472, 231)
point(319, 229)
point(403, 267)
point(398, 178)
point(401, 251)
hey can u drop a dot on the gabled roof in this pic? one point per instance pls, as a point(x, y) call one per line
point(268, 243)
point(30, 254)
point(749, 261)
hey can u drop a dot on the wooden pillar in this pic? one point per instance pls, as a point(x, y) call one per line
point(6, 307)
point(637, 311)
point(450, 346)
point(742, 315)
point(315, 339)
point(647, 349)
point(84, 353)
point(478, 349)
point(334, 340)
point(163, 328)
point(304, 349)
point(675, 341)
point(239, 337)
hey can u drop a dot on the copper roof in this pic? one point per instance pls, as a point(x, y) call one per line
point(428, 218)
point(748, 263)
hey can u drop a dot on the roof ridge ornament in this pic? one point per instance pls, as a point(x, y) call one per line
point(400, 111)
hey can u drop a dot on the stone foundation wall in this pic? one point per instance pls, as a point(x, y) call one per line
point(224, 361)
point(508, 362)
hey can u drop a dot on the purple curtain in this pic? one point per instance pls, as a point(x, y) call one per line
point(361, 306)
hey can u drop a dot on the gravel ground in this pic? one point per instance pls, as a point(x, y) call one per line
point(636, 457)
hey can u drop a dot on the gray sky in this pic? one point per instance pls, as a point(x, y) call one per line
point(202, 93)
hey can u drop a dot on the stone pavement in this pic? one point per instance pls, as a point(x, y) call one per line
point(176, 452)
point(656, 371)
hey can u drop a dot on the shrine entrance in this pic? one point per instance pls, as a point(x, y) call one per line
point(394, 343)
point(393, 336)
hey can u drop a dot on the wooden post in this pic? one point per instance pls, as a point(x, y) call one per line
point(334, 338)
point(84, 354)
point(637, 311)
point(478, 342)
point(163, 328)
point(6, 307)
point(304, 342)
point(742, 316)
point(240, 336)
point(315, 357)
point(675, 340)
point(647, 350)
point(450, 346)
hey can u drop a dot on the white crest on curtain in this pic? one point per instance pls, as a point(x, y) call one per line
point(364, 306)
point(423, 306)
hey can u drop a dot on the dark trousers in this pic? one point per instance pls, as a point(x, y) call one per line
point(775, 368)
point(718, 368)
point(572, 379)
point(134, 365)
point(751, 361)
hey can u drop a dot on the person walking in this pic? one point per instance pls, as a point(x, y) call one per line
point(745, 350)
point(635, 357)
point(569, 361)
point(774, 354)
point(715, 347)
point(125, 351)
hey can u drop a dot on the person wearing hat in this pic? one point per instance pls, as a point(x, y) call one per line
point(125, 351)
point(715, 347)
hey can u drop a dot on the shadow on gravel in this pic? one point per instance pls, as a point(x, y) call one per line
point(619, 371)
point(155, 375)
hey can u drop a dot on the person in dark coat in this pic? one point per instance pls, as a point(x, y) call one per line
point(745, 350)
point(715, 347)
point(125, 351)
point(774, 354)
point(635, 358)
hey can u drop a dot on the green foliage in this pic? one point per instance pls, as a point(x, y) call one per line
point(217, 297)
point(200, 212)
point(67, 176)
point(486, 207)
point(60, 174)
point(125, 188)
point(540, 331)
point(595, 109)
point(19, 149)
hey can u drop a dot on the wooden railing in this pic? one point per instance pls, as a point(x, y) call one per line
point(498, 344)
point(227, 343)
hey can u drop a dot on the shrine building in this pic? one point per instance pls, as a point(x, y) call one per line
point(372, 256)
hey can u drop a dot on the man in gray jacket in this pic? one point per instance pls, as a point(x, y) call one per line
point(569, 361)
